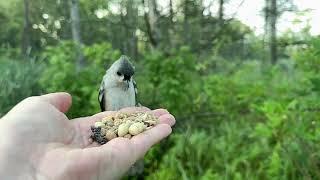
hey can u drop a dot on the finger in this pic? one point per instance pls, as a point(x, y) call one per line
point(134, 109)
point(167, 119)
point(101, 115)
point(86, 122)
point(62, 101)
point(160, 112)
point(135, 148)
point(143, 142)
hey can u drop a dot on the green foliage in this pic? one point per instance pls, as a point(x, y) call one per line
point(268, 128)
point(18, 80)
point(309, 58)
point(170, 77)
point(61, 74)
point(203, 155)
point(276, 147)
point(10, 23)
point(237, 118)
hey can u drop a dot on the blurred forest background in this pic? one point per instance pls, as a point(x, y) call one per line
point(247, 105)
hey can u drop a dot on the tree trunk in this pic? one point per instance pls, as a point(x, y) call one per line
point(26, 47)
point(171, 28)
point(221, 12)
point(129, 21)
point(266, 31)
point(76, 32)
point(151, 18)
point(273, 29)
point(186, 25)
point(171, 12)
point(65, 27)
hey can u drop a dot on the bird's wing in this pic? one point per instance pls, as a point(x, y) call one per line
point(101, 97)
point(135, 91)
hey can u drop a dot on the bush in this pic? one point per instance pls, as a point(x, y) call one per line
point(18, 80)
point(169, 81)
point(61, 74)
point(268, 129)
point(282, 146)
point(240, 121)
point(308, 58)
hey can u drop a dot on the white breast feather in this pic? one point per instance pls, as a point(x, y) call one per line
point(117, 98)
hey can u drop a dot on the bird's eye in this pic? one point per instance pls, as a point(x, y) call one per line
point(118, 73)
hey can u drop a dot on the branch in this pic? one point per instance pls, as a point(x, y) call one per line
point(292, 43)
point(235, 13)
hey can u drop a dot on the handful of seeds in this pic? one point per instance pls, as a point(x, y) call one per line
point(122, 125)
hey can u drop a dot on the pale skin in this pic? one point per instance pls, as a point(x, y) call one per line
point(37, 141)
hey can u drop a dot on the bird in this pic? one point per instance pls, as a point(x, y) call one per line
point(119, 90)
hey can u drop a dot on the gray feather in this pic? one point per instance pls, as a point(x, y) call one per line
point(101, 98)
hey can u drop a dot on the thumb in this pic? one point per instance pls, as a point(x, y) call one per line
point(61, 100)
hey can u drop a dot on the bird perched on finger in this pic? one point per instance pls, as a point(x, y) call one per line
point(119, 90)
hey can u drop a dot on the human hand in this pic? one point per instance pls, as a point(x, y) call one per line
point(37, 141)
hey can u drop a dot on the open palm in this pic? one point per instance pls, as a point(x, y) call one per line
point(37, 141)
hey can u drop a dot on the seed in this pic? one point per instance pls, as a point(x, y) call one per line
point(108, 127)
point(122, 125)
point(99, 124)
point(142, 126)
point(107, 120)
point(129, 122)
point(117, 122)
point(149, 127)
point(96, 133)
point(114, 129)
point(127, 136)
point(151, 122)
point(104, 121)
point(110, 135)
point(136, 128)
point(101, 140)
point(95, 129)
point(109, 123)
point(103, 132)
point(139, 119)
point(123, 129)
point(144, 117)
point(121, 115)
